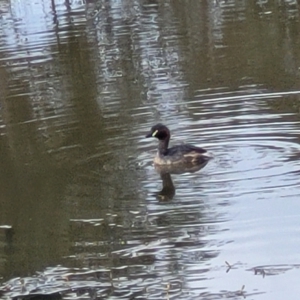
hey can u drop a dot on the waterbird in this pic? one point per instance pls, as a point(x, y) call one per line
point(184, 154)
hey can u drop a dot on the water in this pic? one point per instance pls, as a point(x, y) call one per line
point(83, 211)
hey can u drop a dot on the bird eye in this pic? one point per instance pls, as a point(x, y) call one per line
point(154, 133)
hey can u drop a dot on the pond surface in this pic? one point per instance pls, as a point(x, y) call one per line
point(83, 212)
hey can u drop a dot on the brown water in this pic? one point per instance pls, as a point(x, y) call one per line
point(83, 212)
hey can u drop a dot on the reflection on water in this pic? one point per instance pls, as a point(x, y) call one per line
point(168, 189)
point(84, 213)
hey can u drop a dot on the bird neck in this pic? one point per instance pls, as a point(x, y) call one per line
point(163, 146)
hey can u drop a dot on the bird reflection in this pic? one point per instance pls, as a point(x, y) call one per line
point(168, 190)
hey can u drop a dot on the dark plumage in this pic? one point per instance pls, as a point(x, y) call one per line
point(181, 154)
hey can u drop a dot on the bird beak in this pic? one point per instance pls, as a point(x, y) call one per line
point(149, 135)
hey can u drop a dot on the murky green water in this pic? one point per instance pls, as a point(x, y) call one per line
point(83, 212)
